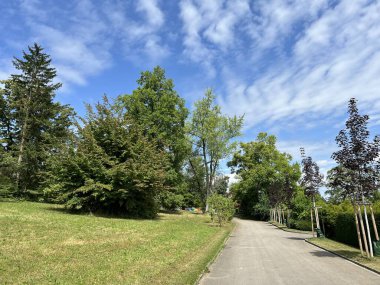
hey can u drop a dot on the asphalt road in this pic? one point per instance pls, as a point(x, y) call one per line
point(259, 253)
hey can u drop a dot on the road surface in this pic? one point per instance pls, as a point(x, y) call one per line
point(259, 253)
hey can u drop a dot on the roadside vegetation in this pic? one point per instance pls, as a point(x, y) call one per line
point(43, 244)
point(109, 174)
point(347, 251)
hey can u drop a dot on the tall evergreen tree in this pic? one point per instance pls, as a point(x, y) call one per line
point(32, 123)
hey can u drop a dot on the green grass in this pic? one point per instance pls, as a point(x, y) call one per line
point(348, 252)
point(41, 244)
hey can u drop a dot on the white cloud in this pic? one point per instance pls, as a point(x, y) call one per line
point(81, 36)
point(209, 28)
point(336, 57)
point(154, 15)
point(141, 36)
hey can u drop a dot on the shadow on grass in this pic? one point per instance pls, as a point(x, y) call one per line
point(323, 254)
point(296, 238)
point(101, 215)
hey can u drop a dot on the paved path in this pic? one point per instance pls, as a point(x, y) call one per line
point(259, 253)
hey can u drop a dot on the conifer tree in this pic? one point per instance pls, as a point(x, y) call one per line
point(32, 123)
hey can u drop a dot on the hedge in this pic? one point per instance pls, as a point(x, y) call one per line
point(343, 228)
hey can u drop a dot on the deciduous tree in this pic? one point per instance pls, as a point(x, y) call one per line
point(212, 135)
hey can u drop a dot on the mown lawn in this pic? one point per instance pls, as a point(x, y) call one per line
point(41, 244)
point(347, 251)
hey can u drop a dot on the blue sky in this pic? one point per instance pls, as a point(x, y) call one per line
point(289, 66)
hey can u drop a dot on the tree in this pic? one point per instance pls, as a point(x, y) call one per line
point(32, 124)
point(110, 166)
point(360, 158)
point(161, 113)
point(194, 177)
point(221, 207)
point(340, 185)
point(311, 181)
point(221, 185)
point(211, 133)
point(268, 178)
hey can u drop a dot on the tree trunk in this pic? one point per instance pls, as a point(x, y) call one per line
point(368, 231)
point(22, 143)
point(312, 224)
point(207, 172)
point(288, 218)
point(316, 214)
point(374, 224)
point(363, 231)
point(358, 230)
point(283, 216)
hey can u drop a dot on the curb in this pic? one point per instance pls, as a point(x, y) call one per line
point(352, 261)
point(215, 256)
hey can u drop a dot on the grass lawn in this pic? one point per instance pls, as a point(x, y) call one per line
point(41, 244)
point(349, 252)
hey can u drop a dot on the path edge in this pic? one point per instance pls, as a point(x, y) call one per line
point(226, 239)
point(352, 261)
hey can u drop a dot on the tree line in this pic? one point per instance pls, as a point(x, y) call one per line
point(273, 187)
point(145, 151)
point(131, 155)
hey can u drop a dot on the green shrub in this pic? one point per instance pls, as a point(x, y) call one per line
point(171, 201)
point(302, 225)
point(221, 207)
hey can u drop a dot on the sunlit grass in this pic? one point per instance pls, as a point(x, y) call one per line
point(41, 244)
point(349, 252)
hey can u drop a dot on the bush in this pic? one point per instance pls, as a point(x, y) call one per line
point(302, 225)
point(221, 207)
point(171, 201)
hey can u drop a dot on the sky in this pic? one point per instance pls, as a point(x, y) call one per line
point(289, 67)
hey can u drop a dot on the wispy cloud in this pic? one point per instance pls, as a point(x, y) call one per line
point(82, 36)
point(334, 58)
point(209, 28)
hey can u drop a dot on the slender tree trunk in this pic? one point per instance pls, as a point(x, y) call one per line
point(283, 216)
point(374, 224)
point(316, 214)
point(358, 230)
point(207, 172)
point(363, 231)
point(23, 142)
point(312, 223)
point(288, 218)
point(368, 231)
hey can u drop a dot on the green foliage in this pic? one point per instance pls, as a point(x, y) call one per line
point(32, 125)
point(267, 176)
point(211, 133)
point(221, 207)
point(111, 166)
point(220, 185)
point(194, 177)
point(302, 225)
point(171, 201)
point(158, 110)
